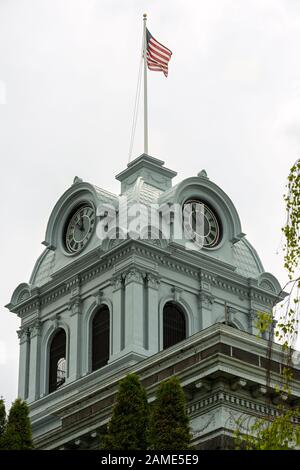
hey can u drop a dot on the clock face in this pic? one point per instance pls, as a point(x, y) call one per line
point(79, 228)
point(201, 216)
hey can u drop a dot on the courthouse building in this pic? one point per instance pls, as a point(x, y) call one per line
point(95, 309)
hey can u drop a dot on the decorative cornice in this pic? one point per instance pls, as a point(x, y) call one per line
point(49, 293)
point(222, 397)
point(74, 285)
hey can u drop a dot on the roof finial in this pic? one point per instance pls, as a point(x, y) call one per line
point(202, 174)
point(77, 180)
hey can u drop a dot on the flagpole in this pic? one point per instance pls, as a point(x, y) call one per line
point(145, 88)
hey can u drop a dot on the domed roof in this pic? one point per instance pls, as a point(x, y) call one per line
point(43, 268)
point(147, 181)
point(246, 259)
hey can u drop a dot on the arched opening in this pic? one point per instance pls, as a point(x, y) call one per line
point(174, 325)
point(100, 338)
point(57, 367)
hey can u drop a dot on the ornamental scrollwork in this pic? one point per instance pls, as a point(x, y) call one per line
point(35, 329)
point(117, 282)
point(134, 275)
point(23, 334)
point(74, 305)
point(206, 299)
point(152, 281)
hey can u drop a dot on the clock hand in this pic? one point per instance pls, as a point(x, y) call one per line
point(80, 224)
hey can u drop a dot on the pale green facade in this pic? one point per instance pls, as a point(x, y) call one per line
point(221, 363)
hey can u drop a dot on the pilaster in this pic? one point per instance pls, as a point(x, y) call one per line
point(24, 357)
point(34, 362)
point(206, 300)
point(151, 330)
point(134, 307)
point(118, 320)
point(74, 363)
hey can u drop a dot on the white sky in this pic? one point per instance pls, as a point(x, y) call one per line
point(68, 72)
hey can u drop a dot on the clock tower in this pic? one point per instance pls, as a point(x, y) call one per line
point(114, 293)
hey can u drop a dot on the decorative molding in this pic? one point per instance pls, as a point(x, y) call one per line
point(74, 285)
point(117, 282)
point(23, 334)
point(55, 321)
point(160, 257)
point(204, 385)
point(157, 179)
point(207, 277)
point(280, 398)
point(177, 291)
point(242, 403)
point(99, 297)
point(134, 275)
point(153, 281)
point(238, 384)
point(75, 305)
point(252, 314)
point(206, 299)
point(259, 391)
point(226, 285)
point(230, 313)
point(159, 242)
point(75, 301)
point(35, 329)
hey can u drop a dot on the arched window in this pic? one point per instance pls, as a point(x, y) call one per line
point(100, 338)
point(174, 325)
point(57, 368)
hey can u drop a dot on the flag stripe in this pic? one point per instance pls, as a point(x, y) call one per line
point(159, 66)
point(154, 62)
point(158, 56)
point(159, 47)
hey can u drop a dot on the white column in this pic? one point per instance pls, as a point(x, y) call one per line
point(206, 301)
point(34, 362)
point(117, 320)
point(24, 338)
point(75, 343)
point(153, 314)
point(134, 313)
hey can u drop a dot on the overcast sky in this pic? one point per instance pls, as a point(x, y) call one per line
point(68, 73)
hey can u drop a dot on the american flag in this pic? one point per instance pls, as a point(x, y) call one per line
point(158, 55)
